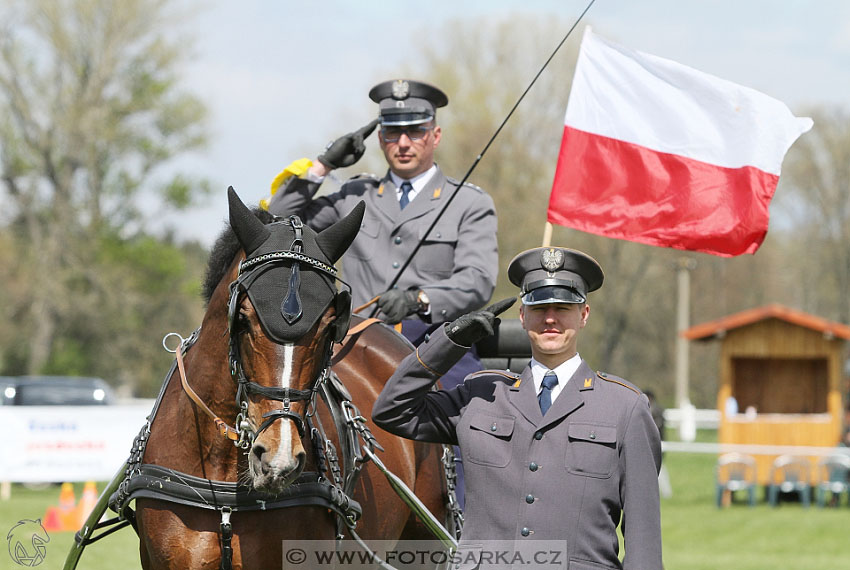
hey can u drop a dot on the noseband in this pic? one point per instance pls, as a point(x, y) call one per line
point(292, 310)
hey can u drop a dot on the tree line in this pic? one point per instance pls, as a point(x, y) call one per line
point(89, 122)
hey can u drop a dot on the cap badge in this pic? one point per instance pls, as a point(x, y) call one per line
point(551, 259)
point(401, 89)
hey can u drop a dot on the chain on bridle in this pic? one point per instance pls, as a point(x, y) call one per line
point(291, 309)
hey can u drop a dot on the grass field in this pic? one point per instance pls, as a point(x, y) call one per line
point(697, 535)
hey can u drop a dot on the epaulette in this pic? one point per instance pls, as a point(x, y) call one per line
point(468, 184)
point(617, 380)
point(507, 376)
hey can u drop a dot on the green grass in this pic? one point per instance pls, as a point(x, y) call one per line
point(119, 550)
point(697, 535)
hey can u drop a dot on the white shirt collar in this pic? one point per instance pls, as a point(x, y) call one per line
point(418, 182)
point(565, 371)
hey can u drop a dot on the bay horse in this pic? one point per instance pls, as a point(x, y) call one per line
point(258, 369)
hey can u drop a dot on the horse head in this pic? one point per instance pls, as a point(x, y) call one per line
point(285, 312)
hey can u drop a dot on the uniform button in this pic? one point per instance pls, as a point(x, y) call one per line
point(538, 435)
point(532, 466)
point(395, 264)
point(439, 235)
point(525, 531)
point(494, 427)
point(397, 239)
point(529, 499)
point(593, 435)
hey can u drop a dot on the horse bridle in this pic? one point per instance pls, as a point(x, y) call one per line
point(292, 303)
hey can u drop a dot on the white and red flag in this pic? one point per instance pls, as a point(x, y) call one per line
point(659, 153)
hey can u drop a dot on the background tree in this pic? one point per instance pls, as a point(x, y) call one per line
point(818, 205)
point(91, 113)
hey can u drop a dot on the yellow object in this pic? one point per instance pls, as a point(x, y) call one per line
point(296, 168)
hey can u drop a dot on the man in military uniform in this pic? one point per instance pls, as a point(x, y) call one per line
point(557, 453)
point(454, 271)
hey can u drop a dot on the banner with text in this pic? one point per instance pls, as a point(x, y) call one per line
point(67, 443)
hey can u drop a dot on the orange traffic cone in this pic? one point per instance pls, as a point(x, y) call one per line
point(88, 500)
point(63, 516)
point(50, 520)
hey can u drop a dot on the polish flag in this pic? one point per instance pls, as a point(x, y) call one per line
point(658, 153)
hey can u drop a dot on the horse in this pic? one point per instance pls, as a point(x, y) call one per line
point(236, 458)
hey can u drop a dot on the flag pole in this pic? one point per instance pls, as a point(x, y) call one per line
point(684, 266)
point(547, 234)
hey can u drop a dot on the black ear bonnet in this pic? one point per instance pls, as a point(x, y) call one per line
point(288, 273)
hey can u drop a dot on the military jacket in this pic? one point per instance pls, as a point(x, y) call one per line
point(569, 475)
point(456, 265)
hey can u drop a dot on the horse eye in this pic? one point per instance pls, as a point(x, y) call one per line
point(243, 323)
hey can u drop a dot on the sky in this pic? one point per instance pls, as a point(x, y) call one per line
point(283, 78)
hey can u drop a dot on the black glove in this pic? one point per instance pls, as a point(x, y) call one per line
point(347, 149)
point(397, 304)
point(478, 325)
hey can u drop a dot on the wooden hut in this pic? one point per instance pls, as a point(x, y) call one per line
point(783, 367)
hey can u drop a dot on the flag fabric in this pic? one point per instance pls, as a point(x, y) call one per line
point(659, 153)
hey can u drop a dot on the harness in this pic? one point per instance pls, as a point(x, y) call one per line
point(331, 486)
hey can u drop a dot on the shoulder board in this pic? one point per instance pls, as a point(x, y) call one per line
point(617, 380)
point(506, 376)
point(467, 184)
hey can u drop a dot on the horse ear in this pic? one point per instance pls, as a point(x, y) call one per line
point(333, 241)
point(250, 231)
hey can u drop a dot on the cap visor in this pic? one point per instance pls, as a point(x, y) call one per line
point(552, 295)
point(404, 120)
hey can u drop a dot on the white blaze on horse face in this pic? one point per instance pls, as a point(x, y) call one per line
point(283, 460)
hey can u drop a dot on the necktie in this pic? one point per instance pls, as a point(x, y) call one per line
point(406, 187)
point(545, 397)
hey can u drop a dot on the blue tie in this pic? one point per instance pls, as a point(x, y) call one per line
point(545, 397)
point(406, 187)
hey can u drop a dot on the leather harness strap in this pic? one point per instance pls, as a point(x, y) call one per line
point(224, 429)
point(362, 326)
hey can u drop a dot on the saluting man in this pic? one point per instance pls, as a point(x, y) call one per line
point(454, 271)
point(559, 452)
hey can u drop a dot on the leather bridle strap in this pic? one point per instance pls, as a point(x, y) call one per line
point(224, 429)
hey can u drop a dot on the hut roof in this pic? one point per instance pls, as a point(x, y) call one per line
point(719, 327)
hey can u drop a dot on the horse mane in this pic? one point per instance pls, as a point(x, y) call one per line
point(223, 251)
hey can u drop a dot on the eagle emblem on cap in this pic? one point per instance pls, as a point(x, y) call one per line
point(401, 89)
point(551, 259)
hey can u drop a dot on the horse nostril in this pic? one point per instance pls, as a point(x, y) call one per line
point(259, 450)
